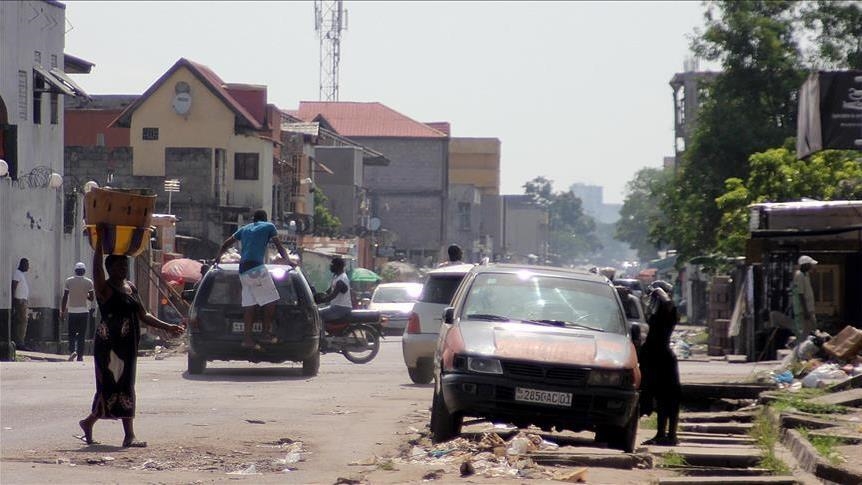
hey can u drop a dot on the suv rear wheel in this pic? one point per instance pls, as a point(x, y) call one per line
point(311, 365)
point(423, 373)
point(196, 365)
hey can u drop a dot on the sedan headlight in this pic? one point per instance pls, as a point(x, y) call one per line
point(610, 378)
point(484, 366)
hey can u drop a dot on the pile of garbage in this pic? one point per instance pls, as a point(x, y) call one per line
point(821, 360)
point(491, 456)
point(683, 343)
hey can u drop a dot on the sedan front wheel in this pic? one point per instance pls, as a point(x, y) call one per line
point(444, 425)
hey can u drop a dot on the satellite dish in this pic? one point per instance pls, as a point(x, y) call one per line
point(182, 103)
point(374, 223)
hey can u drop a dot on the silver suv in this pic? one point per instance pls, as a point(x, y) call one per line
point(423, 323)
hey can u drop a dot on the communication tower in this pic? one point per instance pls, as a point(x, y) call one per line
point(330, 19)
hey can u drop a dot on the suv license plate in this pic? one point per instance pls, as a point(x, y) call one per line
point(239, 327)
point(543, 397)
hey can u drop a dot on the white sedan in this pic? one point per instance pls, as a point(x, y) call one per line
point(395, 301)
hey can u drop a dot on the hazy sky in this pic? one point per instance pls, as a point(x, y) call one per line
point(576, 92)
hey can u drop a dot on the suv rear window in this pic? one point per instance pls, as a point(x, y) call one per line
point(440, 289)
point(225, 289)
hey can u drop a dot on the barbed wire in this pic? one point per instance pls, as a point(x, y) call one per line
point(38, 178)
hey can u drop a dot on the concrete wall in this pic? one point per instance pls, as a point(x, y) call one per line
point(524, 227)
point(343, 186)
point(475, 161)
point(465, 235)
point(409, 195)
point(31, 213)
point(195, 204)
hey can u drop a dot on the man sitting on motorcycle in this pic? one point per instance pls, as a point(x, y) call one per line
point(338, 294)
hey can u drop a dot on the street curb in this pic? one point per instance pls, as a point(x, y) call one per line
point(42, 357)
point(808, 458)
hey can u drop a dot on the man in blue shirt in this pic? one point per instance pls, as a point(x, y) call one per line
point(258, 289)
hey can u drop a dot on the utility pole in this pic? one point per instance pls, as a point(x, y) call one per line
point(330, 19)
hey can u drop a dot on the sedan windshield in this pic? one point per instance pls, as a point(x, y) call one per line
point(544, 300)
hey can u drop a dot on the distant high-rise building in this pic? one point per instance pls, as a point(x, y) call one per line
point(592, 202)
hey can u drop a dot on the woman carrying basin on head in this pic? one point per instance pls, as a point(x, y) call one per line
point(115, 344)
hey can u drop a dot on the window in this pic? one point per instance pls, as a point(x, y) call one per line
point(22, 95)
point(245, 166)
point(55, 108)
point(37, 57)
point(464, 216)
point(150, 133)
point(70, 206)
point(440, 289)
point(38, 89)
point(100, 139)
point(53, 60)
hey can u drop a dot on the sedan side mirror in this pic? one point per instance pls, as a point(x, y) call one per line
point(449, 315)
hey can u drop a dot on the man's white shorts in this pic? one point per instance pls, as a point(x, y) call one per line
point(257, 287)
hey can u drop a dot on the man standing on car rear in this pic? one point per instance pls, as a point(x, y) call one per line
point(258, 289)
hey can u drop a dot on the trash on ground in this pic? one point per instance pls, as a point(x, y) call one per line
point(250, 470)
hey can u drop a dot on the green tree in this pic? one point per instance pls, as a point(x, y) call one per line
point(751, 106)
point(325, 224)
point(641, 212)
point(571, 233)
point(836, 28)
point(778, 176)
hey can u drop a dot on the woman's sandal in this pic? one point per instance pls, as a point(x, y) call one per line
point(86, 440)
point(134, 444)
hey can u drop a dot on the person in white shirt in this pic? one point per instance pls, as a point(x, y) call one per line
point(338, 294)
point(77, 295)
point(20, 295)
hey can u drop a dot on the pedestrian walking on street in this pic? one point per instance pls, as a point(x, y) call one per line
point(78, 293)
point(802, 297)
point(20, 296)
point(115, 345)
point(258, 288)
point(660, 386)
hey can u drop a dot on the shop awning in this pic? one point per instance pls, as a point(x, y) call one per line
point(52, 81)
point(68, 82)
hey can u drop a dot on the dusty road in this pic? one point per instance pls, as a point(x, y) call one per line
point(204, 427)
point(240, 417)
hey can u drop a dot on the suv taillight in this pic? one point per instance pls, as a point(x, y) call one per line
point(413, 323)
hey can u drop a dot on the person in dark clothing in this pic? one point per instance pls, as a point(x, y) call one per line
point(660, 386)
point(115, 346)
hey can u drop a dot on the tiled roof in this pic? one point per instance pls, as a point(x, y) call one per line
point(354, 119)
point(209, 79)
point(100, 102)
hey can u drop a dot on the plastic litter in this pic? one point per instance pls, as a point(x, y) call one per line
point(250, 470)
point(824, 375)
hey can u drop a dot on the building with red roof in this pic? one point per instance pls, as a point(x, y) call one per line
point(409, 196)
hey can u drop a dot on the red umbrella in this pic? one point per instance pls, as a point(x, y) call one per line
point(182, 270)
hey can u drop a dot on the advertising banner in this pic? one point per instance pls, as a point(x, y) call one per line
point(830, 112)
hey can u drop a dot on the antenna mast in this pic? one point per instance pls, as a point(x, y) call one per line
point(330, 19)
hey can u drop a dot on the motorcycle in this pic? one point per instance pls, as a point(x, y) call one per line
point(356, 337)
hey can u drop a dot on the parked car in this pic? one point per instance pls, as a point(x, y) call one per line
point(634, 308)
point(395, 301)
point(216, 321)
point(540, 346)
point(423, 325)
point(636, 286)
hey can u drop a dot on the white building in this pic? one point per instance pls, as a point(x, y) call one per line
point(32, 82)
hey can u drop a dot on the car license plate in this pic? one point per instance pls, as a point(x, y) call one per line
point(239, 327)
point(543, 397)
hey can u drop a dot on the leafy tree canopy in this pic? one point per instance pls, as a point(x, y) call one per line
point(777, 176)
point(641, 212)
point(571, 233)
point(325, 224)
point(751, 105)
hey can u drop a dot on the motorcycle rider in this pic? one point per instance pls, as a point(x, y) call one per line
point(338, 294)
